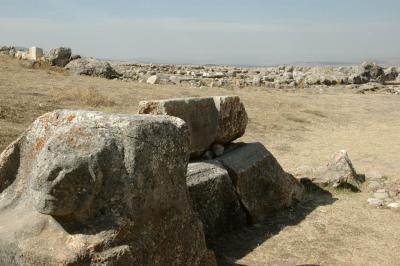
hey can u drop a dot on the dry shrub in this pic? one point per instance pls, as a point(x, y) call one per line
point(87, 96)
point(94, 98)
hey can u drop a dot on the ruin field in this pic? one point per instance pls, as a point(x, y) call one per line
point(299, 126)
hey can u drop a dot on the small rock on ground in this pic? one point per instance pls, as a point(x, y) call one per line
point(375, 202)
point(394, 205)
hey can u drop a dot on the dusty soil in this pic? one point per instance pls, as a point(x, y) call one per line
point(301, 127)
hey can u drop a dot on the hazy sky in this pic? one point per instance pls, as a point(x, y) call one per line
point(208, 31)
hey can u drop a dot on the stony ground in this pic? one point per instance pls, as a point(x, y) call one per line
point(300, 127)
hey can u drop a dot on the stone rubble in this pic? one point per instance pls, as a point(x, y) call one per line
point(365, 78)
point(385, 192)
point(268, 77)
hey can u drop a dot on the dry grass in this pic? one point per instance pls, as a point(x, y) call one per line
point(299, 127)
point(87, 97)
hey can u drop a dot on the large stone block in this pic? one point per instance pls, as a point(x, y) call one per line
point(92, 67)
point(214, 198)
point(263, 186)
point(58, 56)
point(200, 114)
point(232, 118)
point(88, 188)
point(35, 53)
point(218, 119)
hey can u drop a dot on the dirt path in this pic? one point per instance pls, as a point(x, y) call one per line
point(299, 128)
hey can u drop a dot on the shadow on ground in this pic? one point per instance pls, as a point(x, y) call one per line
point(234, 246)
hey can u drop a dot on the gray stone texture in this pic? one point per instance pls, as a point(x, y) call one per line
point(89, 188)
point(261, 183)
point(214, 198)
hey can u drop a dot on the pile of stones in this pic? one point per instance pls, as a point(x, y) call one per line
point(384, 192)
point(276, 77)
point(365, 78)
point(90, 188)
point(231, 184)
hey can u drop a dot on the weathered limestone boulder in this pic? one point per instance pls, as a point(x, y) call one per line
point(261, 183)
point(338, 171)
point(232, 118)
point(92, 67)
point(200, 114)
point(214, 198)
point(218, 119)
point(88, 188)
point(390, 74)
point(7, 50)
point(58, 56)
point(153, 79)
point(372, 70)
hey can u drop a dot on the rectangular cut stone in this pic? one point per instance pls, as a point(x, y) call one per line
point(219, 119)
point(200, 114)
point(214, 198)
point(262, 185)
point(232, 118)
point(35, 53)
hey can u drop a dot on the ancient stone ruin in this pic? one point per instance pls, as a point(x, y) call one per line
point(241, 183)
point(90, 188)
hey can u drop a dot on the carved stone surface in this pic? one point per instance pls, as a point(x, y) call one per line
point(88, 188)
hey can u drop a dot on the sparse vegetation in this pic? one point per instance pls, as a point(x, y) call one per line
point(94, 98)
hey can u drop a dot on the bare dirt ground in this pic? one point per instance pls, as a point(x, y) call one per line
point(299, 127)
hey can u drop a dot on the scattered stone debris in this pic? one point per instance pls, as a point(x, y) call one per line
point(383, 191)
point(375, 77)
point(366, 78)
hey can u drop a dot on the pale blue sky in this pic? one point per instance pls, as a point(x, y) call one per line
point(225, 32)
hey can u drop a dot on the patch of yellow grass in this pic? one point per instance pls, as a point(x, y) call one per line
point(89, 96)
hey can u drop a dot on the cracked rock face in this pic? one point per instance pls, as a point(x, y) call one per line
point(88, 188)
